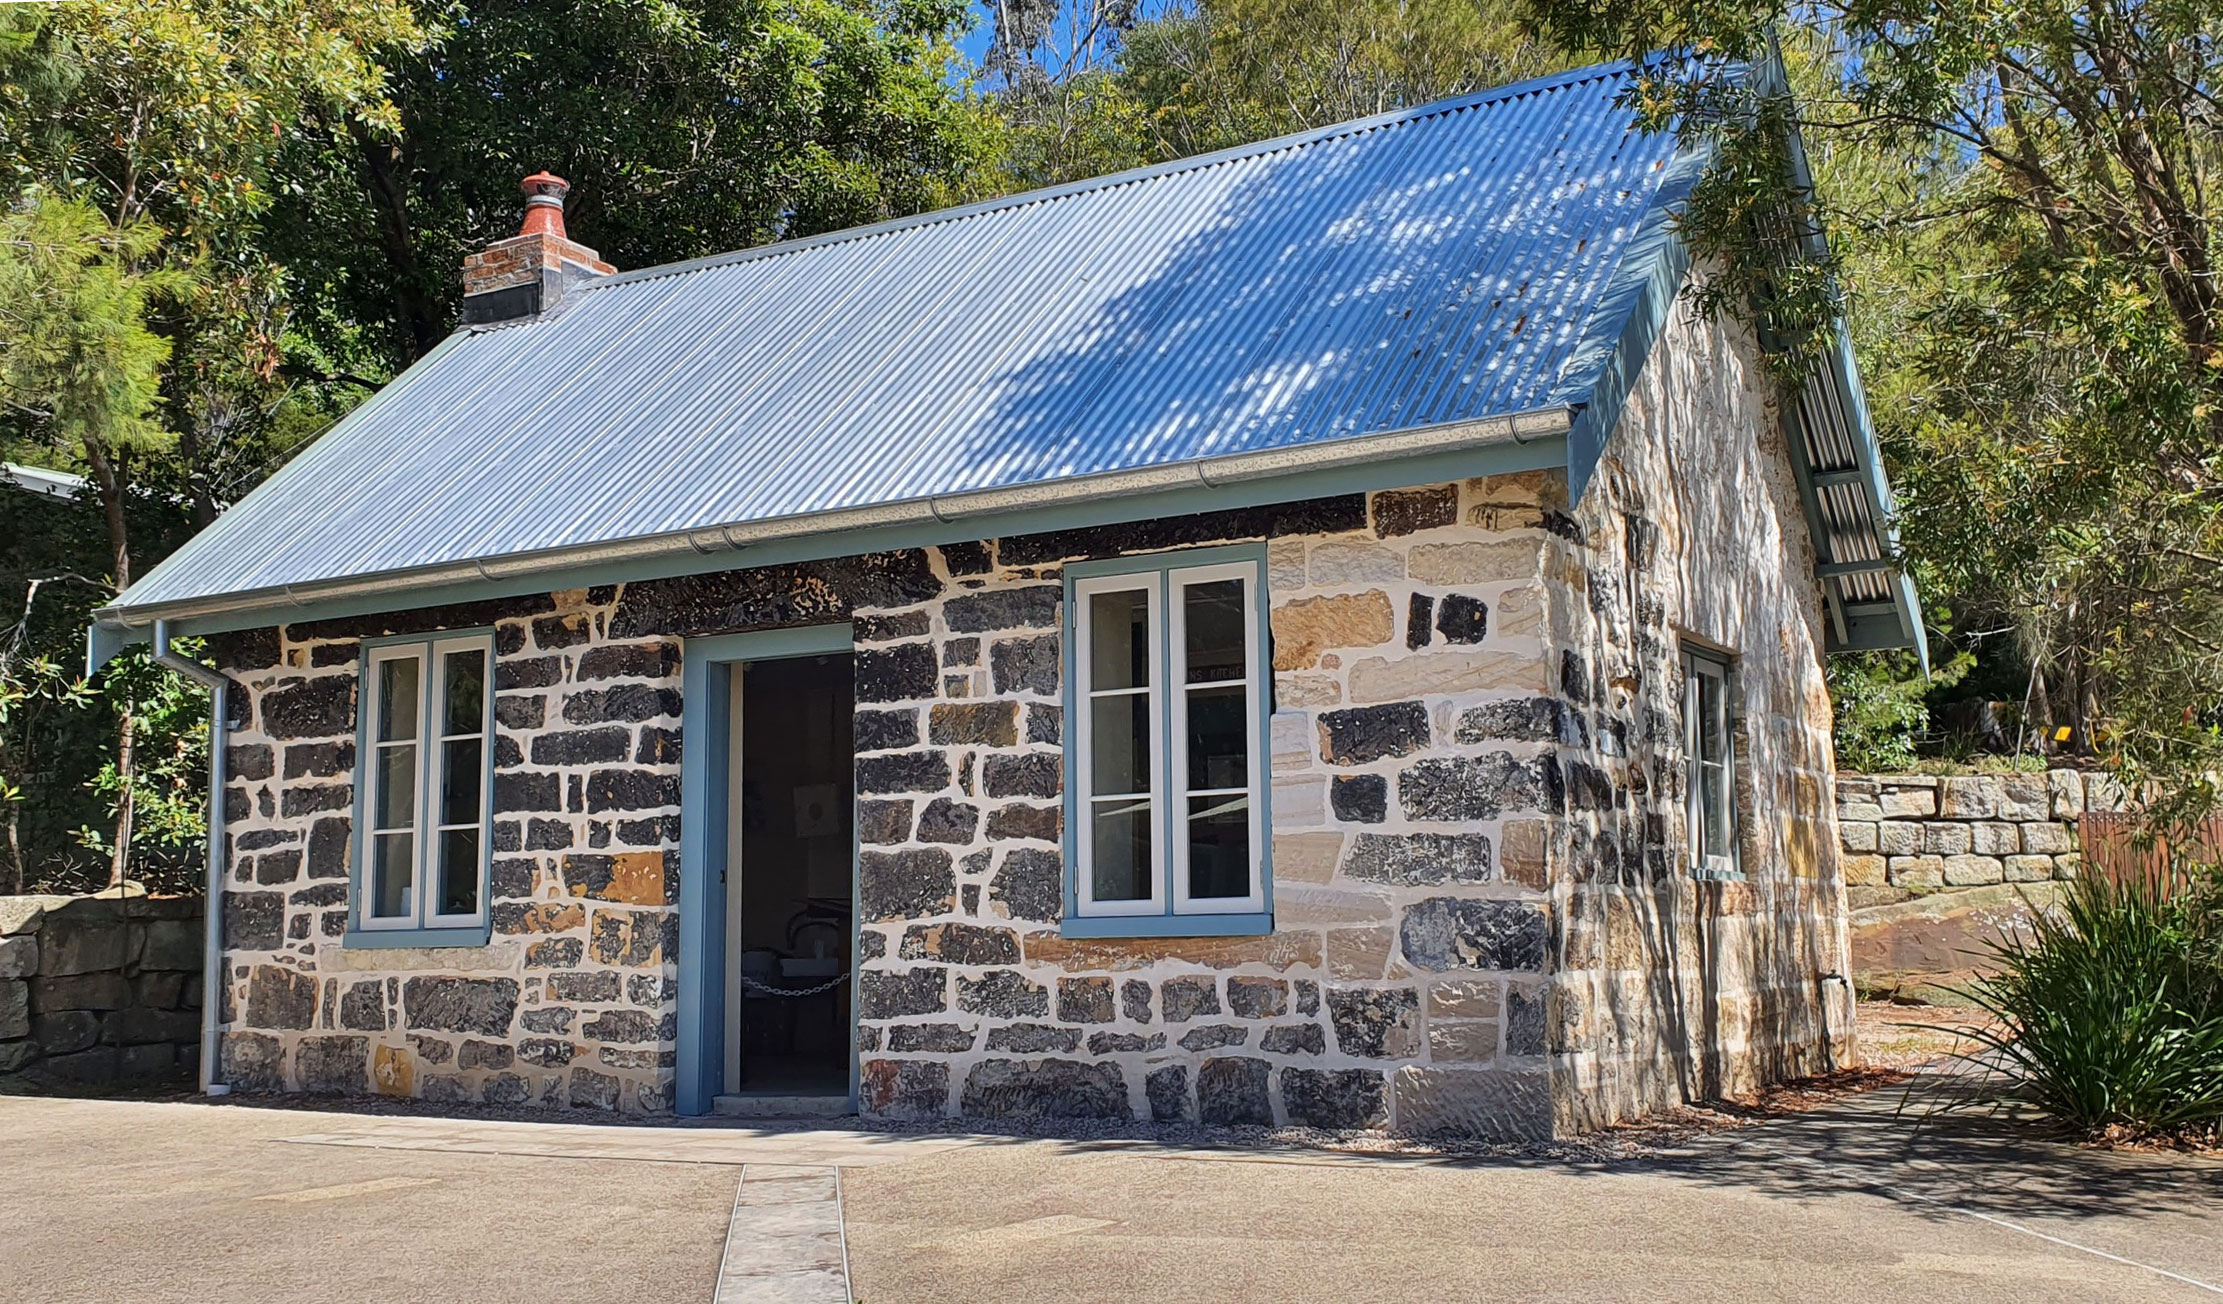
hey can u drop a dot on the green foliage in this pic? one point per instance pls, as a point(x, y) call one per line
point(2110, 1014)
point(168, 779)
point(1881, 701)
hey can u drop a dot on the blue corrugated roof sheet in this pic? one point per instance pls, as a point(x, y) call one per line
point(1436, 265)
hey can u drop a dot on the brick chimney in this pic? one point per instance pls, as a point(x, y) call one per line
point(528, 274)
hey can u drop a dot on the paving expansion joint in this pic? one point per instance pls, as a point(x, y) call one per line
point(786, 1243)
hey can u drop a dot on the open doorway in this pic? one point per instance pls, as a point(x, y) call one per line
point(790, 868)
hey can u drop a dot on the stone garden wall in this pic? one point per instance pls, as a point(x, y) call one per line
point(1936, 866)
point(97, 990)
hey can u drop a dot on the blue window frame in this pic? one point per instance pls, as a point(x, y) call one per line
point(1167, 830)
point(1709, 750)
point(424, 763)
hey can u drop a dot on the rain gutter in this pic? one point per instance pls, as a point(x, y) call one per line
point(212, 915)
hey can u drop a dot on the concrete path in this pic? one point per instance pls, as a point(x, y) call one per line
point(130, 1201)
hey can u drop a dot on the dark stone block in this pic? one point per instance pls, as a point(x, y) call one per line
point(1213, 1036)
point(635, 878)
point(1257, 998)
point(1032, 607)
point(1030, 884)
point(622, 1026)
point(881, 823)
point(1026, 823)
point(1588, 788)
point(99, 1065)
point(1369, 733)
point(65, 1032)
point(245, 649)
point(319, 894)
point(507, 754)
point(1461, 619)
point(328, 847)
point(1333, 1099)
point(527, 792)
point(1084, 1000)
point(1003, 994)
point(527, 672)
point(520, 710)
point(555, 953)
point(1308, 996)
point(774, 597)
point(1025, 665)
point(505, 1089)
point(320, 760)
point(960, 944)
point(967, 558)
point(901, 672)
point(1528, 720)
point(433, 1050)
point(1048, 1088)
point(1231, 1092)
point(313, 708)
point(1034, 1039)
point(1134, 1000)
point(1123, 1043)
point(333, 1065)
point(1574, 677)
point(1452, 933)
point(1418, 612)
point(301, 801)
point(630, 937)
point(1029, 774)
point(629, 661)
point(273, 868)
point(986, 724)
point(512, 877)
point(568, 630)
point(915, 884)
point(547, 835)
point(238, 805)
point(885, 995)
point(1462, 788)
point(278, 997)
point(1409, 511)
point(880, 731)
point(248, 761)
point(547, 1018)
point(1418, 859)
point(592, 1090)
point(1294, 1039)
point(1045, 723)
point(887, 627)
point(252, 1063)
point(583, 746)
point(1187, 998)
point(906, 1090)
point(1360, 798)
point(481, 1005)
point(1168, 1090)
point(258, 839)
point(419, 620)
point(1335, 515)
point(948, 821)
point(546, 1052)
point(363, 1007)
point(941, 1038)
point(657, 746)
point(254, 921)
point(960, 652)
point(1375, 1023)
point(609, 790)
point(1525, 1025)
point(903, 772)
point(628, 703)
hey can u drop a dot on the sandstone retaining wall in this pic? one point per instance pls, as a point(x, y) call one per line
point(96, 990)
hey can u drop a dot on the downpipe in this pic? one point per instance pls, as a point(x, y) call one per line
point(212, 913)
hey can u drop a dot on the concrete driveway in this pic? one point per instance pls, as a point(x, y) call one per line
point(132, 1201)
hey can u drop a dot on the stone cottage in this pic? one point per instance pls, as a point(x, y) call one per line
point(1322, 633)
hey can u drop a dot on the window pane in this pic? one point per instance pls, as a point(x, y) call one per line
point(1212, 631)
point(1714, 799)
point(1219, 738)
point(397, 698)
point(391, 873)
point(1119, 630)
point(1710, 723)
point(1219, 847)
point(465, 712)
point(1120, 859)
point(459, 780)
point(397, 787)
point(1119, 743)
point(459, 872)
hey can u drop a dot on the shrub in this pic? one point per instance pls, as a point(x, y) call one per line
point(2110, 1011)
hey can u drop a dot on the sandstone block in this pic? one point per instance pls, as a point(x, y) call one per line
point(2046, 838)
point(1476, 561)
point(1461, 1041)
point(1942, 839)
point(1339, 562)
point(1917, 871)
point(1908, 800)
point(1309, 626)
point(2064, 793)
point(1489, 1103)
point(1864, 870)
point(2024, 797)
point(1300, 801)
point(2029, 869)
point(1970, 797)
point(1446, 672)
point(1995, 838)
point(1973, 871)
point(1856, 835)
point(1899, 838)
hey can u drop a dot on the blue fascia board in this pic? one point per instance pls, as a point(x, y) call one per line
point(1505, 457)
point(1093, 926)
point(377, 939)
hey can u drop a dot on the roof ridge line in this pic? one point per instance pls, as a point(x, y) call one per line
point(1130, 176)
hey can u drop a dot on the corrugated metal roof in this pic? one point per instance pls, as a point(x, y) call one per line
point(1437, 265)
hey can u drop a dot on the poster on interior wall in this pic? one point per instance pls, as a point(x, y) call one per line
point(816, 814)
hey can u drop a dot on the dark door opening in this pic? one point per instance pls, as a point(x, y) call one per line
point(796, 841)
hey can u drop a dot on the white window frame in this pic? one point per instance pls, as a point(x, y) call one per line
point(1164, 579)
point(431, 655)
point(1701, 663)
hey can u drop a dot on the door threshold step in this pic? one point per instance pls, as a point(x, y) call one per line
point(770, 1105)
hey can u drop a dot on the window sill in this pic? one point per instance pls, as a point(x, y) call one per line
point(1249, 925)
point(375, 939)
point(1717, 875)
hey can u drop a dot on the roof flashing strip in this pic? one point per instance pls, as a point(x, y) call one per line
point(122, 624)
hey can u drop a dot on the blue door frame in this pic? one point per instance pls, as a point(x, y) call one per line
point(706, 751)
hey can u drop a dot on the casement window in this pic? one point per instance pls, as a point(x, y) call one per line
point(424, 785)
point(1165, 816)
point(1711, 791)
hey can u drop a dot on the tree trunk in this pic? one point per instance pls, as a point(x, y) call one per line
point(417, 313)
point(121, 860)
point(112, 510)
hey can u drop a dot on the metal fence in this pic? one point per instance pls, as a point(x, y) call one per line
point(2117, 844)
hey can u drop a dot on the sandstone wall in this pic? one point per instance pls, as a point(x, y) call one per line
point(98, 989)
point(1667, 988)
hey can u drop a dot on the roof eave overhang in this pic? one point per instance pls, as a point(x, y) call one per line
point(1496, 445)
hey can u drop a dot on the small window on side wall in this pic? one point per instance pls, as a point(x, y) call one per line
point(1166, 758)
point(1711, 792)
point(423, 790)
